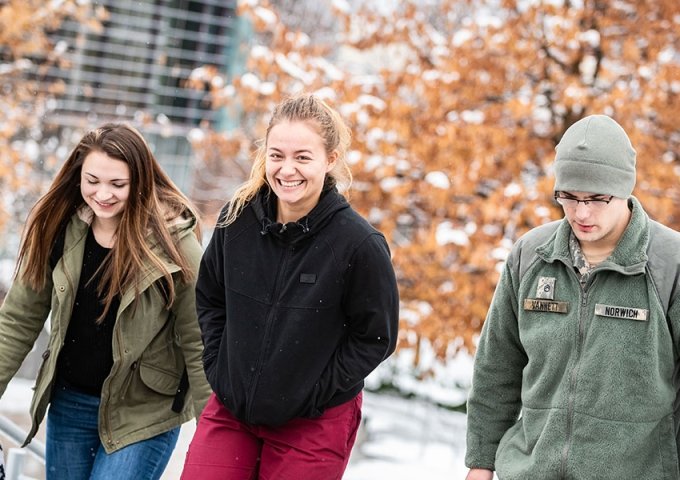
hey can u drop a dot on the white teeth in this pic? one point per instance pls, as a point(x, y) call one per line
point(290, 184)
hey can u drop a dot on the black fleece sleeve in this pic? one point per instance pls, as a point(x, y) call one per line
point(371, 304)
point(211, 299)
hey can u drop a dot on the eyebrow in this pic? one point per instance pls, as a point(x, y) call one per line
point(112, 180)
point(594, 196)
point(302, 150)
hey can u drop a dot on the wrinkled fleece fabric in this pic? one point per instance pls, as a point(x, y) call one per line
point(580, 395)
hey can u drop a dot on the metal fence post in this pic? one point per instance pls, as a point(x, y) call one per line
point(16, 456)
point(15, 463)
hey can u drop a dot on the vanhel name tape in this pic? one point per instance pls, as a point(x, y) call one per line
point(540, 305)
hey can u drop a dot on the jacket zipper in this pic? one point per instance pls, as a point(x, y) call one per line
point(59, 326)
point(267, 329)
point(574, 374)
point(106, 417)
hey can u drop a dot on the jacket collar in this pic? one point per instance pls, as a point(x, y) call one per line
point(264, 205)
point(85, 214)
point(180, 225)
point(75, 245)
point(630, 254)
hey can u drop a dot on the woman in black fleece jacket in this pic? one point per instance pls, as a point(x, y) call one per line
point(298, 303)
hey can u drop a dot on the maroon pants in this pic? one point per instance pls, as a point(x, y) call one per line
point(224, 448)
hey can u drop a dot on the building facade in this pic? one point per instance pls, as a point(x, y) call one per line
point(135, 69)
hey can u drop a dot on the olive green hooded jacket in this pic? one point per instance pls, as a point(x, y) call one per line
point(578, 383)
point(151, 345)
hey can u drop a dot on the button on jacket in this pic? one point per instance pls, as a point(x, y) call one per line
point(577, 383)
point(151, 345)
point(295, 316)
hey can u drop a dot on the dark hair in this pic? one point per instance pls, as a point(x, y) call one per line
point(153, 203)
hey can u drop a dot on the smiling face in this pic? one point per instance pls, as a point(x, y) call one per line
point(105, 186)
point(296, 167)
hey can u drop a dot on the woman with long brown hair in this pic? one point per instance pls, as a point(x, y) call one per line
point(110, 254)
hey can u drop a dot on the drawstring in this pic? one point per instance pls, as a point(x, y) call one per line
point(305, 226)
point(266, 223)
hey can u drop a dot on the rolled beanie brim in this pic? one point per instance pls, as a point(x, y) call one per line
point(595, 178)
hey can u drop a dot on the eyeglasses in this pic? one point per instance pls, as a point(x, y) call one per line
point(597, 203)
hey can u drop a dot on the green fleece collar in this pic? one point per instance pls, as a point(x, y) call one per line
point(630, 255)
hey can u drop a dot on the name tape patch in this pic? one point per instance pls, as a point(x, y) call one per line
point(540, 305)
point(628, 313)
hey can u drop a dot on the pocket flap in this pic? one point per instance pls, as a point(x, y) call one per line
point(159, 379)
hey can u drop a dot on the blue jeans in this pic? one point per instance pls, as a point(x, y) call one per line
point(74, 451)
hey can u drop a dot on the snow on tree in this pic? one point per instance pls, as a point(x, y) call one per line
point(456, 107)
point(26, 53)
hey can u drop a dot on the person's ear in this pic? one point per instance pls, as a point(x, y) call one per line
point(332, 160)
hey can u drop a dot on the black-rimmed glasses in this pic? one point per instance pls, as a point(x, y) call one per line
point(596, 202)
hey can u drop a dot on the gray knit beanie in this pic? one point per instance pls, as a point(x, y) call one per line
point(595, 156)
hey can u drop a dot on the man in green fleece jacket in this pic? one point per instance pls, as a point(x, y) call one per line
point(574, 375)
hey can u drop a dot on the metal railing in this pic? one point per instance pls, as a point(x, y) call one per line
point(16, 456)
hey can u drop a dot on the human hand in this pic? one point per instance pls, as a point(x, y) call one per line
point(479, 474)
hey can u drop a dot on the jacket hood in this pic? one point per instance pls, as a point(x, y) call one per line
point(265, 207)
point(181, 225)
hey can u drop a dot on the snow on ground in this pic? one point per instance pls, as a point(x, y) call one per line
point(406, 439)
point(401, 439)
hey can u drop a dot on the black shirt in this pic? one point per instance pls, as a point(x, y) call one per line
point(87, 355)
